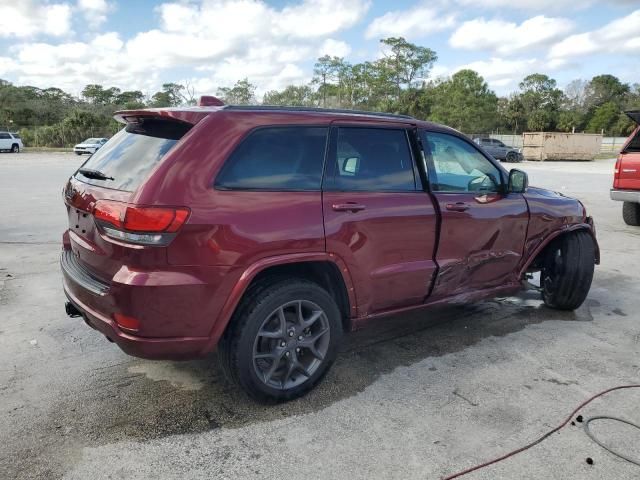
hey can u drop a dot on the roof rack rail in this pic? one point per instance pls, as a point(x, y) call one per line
point(277, 108)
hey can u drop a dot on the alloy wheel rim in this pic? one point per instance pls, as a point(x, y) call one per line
point(291, 344)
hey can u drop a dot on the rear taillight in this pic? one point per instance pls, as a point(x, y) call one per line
point(139, 225)
point(616, 172)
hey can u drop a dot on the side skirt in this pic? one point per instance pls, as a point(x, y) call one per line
point(459, 299)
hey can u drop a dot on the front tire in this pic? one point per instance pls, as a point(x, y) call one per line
point(568, 271)
point(282, 339)
point(631, 213)
point(15, 148)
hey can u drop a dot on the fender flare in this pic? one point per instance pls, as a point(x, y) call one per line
point(588, 226)
point(247, 276)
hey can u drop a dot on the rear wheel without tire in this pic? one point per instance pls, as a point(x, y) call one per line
point(282, 339)
point(631, 213)
point(568, 271)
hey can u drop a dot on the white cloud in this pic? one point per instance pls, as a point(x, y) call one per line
point(416, 22)
point(317, 18)
point(334, 48)
point(224, 40)
point(622, 35)
point(508, 37)
point(29, 18)
point(539, 5)
point(94, 11)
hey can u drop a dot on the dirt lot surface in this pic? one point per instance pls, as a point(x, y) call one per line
point(418, 396)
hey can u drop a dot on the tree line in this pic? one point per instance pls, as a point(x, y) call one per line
point(399, 82)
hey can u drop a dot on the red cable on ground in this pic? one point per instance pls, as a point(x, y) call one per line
point(543, 437)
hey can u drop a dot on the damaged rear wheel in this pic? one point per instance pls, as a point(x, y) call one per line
point(568, 271)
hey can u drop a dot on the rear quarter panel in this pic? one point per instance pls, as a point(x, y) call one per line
point(232, 227)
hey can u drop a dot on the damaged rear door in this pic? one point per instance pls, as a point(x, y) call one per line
point(482, 230)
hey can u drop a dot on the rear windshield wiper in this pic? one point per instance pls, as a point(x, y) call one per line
point(94, 174)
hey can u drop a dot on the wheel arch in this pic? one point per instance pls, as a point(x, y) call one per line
point(326, 269)
point(540, 250)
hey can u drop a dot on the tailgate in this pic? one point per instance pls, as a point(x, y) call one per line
point(628, 166)
point(114, 173)
point(99, 256)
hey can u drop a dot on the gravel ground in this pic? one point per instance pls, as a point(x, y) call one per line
point(416, 396)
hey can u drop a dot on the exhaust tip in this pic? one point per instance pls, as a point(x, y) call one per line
point(71, 310)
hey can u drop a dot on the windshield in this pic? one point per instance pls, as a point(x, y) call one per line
point(130, 155)
point(91, 140)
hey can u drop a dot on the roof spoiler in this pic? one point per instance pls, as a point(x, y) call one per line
point(634, 115)
point(206, 105)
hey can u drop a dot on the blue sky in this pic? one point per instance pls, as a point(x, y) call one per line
point(211, 43)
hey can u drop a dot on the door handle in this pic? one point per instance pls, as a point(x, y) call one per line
point(457, 207)
point(348, 207)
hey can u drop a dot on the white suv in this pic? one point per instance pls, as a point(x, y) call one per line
point(10, 142)
point(90, 146)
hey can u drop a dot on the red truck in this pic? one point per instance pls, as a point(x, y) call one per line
point(626, 179)
point(267, 232)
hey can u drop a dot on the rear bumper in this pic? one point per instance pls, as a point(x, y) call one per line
point(177, 311)
point(180, 348)
point(625, 195)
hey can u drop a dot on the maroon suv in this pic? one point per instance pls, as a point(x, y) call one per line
point(265, 233)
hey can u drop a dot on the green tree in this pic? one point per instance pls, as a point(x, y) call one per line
point(130, 99)
point(98, 95)
point(242, 93)
point(465, 102)
point(297, 96)
point(405, 62)
point(606, 89)
point(604, 119)
point(326, 74)
point(541, 101)
point(169, 96)
point(570, 120)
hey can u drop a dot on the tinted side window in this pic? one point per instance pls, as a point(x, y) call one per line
point(4, 136)
point(373, 159)
point(458, 166)
point(276, 158)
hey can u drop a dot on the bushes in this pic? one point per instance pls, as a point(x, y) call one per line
point(75, 128)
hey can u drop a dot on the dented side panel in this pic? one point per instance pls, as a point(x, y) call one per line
point(481, 247)
point(550, 213)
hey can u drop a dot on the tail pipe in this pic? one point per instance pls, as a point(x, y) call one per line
point(71, 310)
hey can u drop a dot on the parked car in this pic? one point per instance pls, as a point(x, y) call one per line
point(268, 232)
point(626, 179)
point(10, 142)
point(499, 150)
point(90, 146)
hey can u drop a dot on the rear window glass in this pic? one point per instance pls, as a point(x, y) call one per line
point(130, 155)
point(276, 158)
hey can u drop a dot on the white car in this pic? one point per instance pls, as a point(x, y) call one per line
point(10, 142)
point(90, 145)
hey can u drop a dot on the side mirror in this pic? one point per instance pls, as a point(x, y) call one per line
point(351, 165)
point(518, 181)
